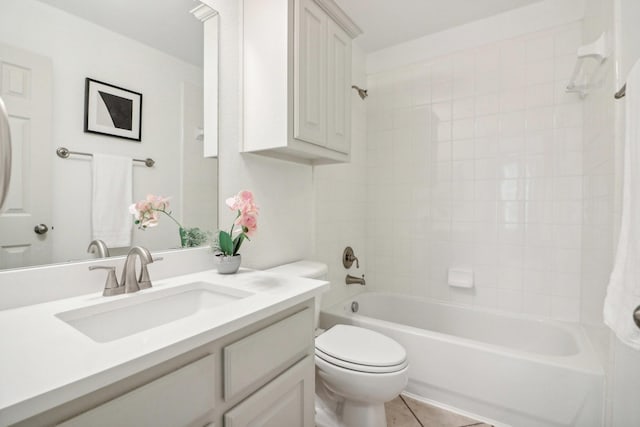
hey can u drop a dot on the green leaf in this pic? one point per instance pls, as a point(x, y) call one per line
point(237, 243)
point(226, 245)
point(194, 237)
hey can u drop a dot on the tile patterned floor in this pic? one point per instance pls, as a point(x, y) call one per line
point(404, 411)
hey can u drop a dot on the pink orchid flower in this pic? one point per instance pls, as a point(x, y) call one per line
point(246, 220)
point(146, 211)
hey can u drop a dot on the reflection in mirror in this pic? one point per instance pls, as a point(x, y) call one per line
point(48, 48)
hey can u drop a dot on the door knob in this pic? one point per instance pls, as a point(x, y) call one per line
point(41, 229)
point(636, 316)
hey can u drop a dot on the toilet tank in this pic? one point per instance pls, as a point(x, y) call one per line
point(308, 269)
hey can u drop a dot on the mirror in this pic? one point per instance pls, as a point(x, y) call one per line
point(48, 50)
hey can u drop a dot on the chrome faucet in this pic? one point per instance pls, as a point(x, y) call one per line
point(129, 280)
point(99, 248)
point(352, 280)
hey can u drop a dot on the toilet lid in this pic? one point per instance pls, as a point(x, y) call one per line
point(360, 346)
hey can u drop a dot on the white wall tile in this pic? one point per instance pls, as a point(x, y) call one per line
point(539, 48)
point(540, 72)
point(487, 173)
point(565, 308)
point(487, 104)
point(567, 40)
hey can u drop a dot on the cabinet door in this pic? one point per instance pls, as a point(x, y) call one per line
point(281, 344)
point(310, 79)
point(182, 398)
point(287, 401)
point(338, 88)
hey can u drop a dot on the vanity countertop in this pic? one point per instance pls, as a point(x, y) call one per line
point(45, 362)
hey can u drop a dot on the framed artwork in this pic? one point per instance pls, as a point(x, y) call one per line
point(112, 110)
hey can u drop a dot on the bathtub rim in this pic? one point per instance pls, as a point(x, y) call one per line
point(585, 360)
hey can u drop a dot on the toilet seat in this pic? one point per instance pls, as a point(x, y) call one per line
point(360, 368)
point(360, 349)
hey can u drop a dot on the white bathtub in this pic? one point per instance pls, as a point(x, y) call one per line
point(516, 370)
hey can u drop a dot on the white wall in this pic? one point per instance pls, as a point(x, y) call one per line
point(340, 200)
point(283, 190)
point(518, 22)
point(81, 49)
point(475, 160)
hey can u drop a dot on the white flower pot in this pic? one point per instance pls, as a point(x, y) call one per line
point(228, 264)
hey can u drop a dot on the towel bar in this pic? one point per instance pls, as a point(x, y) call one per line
point(64, 153)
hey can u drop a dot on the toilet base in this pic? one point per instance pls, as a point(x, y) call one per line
point(332, 411)
point(355, 414)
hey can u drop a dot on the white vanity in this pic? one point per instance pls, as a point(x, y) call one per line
point(200, 349)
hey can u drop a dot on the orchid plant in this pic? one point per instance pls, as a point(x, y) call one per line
point(147, 215)
point(244, 226)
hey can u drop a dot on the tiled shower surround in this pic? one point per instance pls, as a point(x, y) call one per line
point(474, 160)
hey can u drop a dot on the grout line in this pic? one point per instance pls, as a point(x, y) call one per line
point(474, 424)
point(411, 410)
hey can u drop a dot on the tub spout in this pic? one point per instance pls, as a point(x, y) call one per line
point(352, 280)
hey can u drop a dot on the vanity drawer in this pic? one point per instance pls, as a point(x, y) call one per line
point(259, 357)
point(184, 397)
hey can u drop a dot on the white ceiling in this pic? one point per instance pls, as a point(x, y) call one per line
point(165, 25)
point(388, 22)
point(168, 26)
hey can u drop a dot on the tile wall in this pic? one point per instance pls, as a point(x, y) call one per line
point(599, 167)
point(474, 160)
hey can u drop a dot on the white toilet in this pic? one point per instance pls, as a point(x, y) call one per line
point(357, 370)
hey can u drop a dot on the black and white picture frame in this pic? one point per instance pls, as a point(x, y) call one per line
point(112, 110)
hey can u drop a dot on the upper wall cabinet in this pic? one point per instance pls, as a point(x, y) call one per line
point(297, 80)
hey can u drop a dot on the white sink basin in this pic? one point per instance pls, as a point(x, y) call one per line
point(139, 312)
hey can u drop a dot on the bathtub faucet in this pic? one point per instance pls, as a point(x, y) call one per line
point(352, 280)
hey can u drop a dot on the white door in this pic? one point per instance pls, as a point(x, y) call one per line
point(25, 87)
point(310, 80)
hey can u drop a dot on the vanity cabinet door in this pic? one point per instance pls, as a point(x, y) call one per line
point(310, 76)
point(287, 401)
point(184, 397)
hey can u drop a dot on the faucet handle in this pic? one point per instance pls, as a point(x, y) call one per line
point(348, 257)
point(144, 281)
point(111, 286)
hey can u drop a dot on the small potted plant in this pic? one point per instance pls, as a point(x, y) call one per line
point(147, 214)
point(227, 245)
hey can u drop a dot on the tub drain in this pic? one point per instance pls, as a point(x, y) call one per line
point(355, 306)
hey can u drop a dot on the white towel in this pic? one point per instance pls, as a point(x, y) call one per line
point(623, 293)
point(111, 197)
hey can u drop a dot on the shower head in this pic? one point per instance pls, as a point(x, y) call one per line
point(362, 92)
